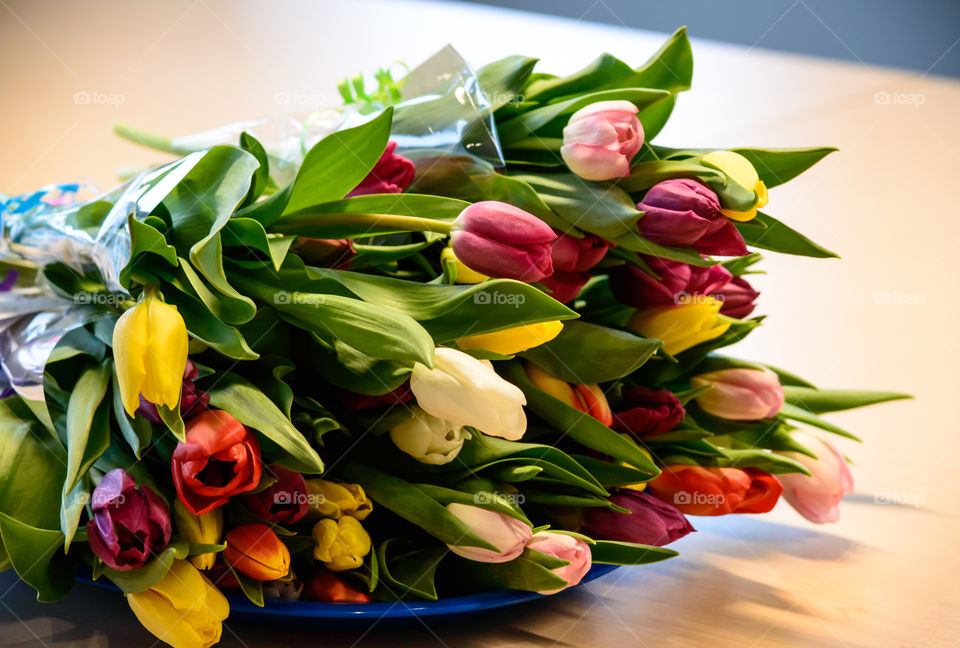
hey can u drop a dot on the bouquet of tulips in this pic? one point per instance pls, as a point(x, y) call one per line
point(383, 365)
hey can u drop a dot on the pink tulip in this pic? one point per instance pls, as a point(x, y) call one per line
point(600, 140)
point(572, 258)
point(574, 550)
point(509, 535)
point(392, 173)
point(503, 241)
point(740, 394)
point(818, 496)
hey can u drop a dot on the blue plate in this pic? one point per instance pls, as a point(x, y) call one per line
point(241, 607)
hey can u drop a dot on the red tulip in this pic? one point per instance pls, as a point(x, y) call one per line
point(648, 412)
point(325, 253)
point(700, 490)
point(284, 501)
point(326, 587)
point(392, 173)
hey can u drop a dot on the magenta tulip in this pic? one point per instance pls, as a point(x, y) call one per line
point(646, 412)
point(572, 258)
point(651, 521)
point(740, 394)
point(601, 139)
point(738, 298)
point(818, 496)
point(129, 524)
point(565, 547)
point(392, 173)
point(502, 241)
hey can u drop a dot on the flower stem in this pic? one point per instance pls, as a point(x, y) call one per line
point(294, 222)
point(149, 140)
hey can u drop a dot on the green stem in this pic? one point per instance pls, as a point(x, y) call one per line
point(537, 144)
point(290, 224)
point(149, 140)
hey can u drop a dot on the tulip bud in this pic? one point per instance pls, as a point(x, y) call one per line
point(681, 327)
point(199, 529)
point(743, 175)
point(740, 394)
point(182, 609)
point(572, 258)
point(333, 499)
point(679, 212)
point(464, 274)
point(651, 521)
point(817, 497)
point(129, 523)
point(325, 253)
point(601, 139)
point(513, 340)
point(502, 241)
point(589, 399)
point(428, 439)
point(738, 298)
point(565, 547)
point(509, 535)
point(256, 551)
point(341, 544)
point(392, 173)
point(282, 502)
point(467, 391)
point(648, 412)
point(700, 490)
point(215, 439)
point(150, 353)
point(326, 587)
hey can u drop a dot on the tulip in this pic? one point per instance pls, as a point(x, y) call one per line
point(256, 551)
point(740, 394)
point(740, 172)
point(219, 458)
point(648, 412)
point(464, 274)
point(284, 501)
point(572, 258)
point(503, 241)
point(681, 327)
point(738, 298)
point(565, 547)
point(565, 286)
point(356, 402)
point(817, 496)
point(513, 340)
point(327, 587)
point(726, 240)
point(192, 400)
point(150, 353)
point(428, 439)
point(700, 490)
point(325, 253)
point(601, 139)
point(651, 521)
point(679, 212)
point(129, 523)
point(509, 535)
point(589, 399)
point(341, 544)
point(467, 391)
point(199, 529)
point(333, 499)
point(392, 173)
point(182, 609)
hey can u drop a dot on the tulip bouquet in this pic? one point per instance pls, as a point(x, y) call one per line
point(382, 370)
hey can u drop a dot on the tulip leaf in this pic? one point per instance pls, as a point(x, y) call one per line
point(612, 552)
point(778, 237)
point(670, 68)
point(778, 166)
point(546, 560)
point(146, 239)
point(611, 474)
point(88, 431)
point(795, 413)
point(137, 432)
point(585, 353)
point(249, 233)
point(413, 505)
point(35, 554)
point(339, 162)
point(143, 578)
point(491, 501)
point(634, 242)
point(503, 80)
point(254, 409)
point(172, 419)
point(644, 175)
point(408, 573)
point(261, 178)
point(820, 401)
point(518, 574)
point(72, 508)
point(204, 326)
point(251, 588)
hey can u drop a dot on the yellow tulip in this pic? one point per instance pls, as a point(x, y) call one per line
point(513, 340)
point(464, 274)
point(183, 609)
point(199, 529)
point(683, 326)
point(639, 486)
point(333, 500)
point(341, 544)
point(738, 169)
point(150, 353)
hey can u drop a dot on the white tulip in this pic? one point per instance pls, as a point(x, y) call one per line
point(428, 439)
point(467, 391)
point(509, 535)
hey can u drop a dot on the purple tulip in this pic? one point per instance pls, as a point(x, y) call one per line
point(502, 241)
point(648, 412)
point(650, 522)
point(192, 400)
point(129, 524)
point(738, 298)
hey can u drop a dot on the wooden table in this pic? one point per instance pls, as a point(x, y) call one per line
point(885, 317)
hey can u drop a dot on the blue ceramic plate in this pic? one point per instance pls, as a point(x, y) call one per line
point(241, 607)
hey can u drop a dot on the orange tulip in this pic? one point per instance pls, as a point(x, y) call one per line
point(326, 587)
point(586, 398)
point(256, 551)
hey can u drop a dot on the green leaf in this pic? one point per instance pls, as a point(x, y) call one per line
point(518, 574)
point(36, 557)
point(605, 70)
point(611, 552)
point(88, 434)
point(795, 413)
point(137, 432)
point(145, 239)
point(780, 238)
point(777, 166)
point(143, 578)
point(670, 68)
point(410, 573)
point(492, 501)
point(251, 588)
point(204, 326)
point(503, 80)
point(612, 474)
point(586, 353)
point(261, 179)
point(820, 401)
point(251, 407)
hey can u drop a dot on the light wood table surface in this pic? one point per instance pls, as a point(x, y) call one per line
point(885, 317)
